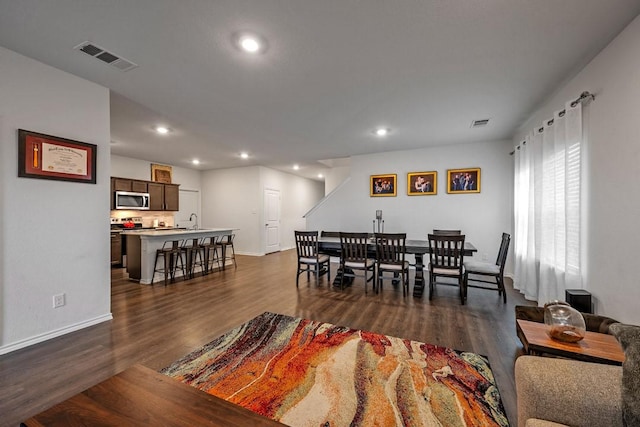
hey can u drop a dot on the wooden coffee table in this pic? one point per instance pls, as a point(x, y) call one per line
point(595, 347)
point(140, 396)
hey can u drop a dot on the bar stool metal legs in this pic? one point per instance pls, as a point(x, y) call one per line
point(171, 253)
point(225, 244)
point(192, 250)
point(210, 250)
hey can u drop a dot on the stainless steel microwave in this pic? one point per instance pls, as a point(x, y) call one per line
point(131, 201)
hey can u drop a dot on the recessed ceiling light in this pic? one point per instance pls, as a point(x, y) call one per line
point(162, 130)
point(320, 175)
point(296, 167)
point(195, 161)
point(244, 155)
point(381, 132)
point(251, 43)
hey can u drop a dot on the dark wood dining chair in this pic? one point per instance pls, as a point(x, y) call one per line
point(493, 273)
point(390, 254)
point(447, 232)
point(309, 259)
point(354, 256)
point(446, 260)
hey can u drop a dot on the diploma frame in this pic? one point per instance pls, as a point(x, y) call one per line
point(69, 160)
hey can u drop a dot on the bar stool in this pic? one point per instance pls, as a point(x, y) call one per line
point(171, 253)
point(225, 243)
point(192, 250)
point(210, 250)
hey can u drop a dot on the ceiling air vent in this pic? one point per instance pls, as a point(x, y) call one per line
point(105, 56)
point(479, 123)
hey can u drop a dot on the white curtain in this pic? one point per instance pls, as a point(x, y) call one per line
point(547, 208)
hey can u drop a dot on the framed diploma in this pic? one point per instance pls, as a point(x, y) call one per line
point(50, 157)
point(161, 173)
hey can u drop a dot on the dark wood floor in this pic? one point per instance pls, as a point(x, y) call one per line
point(156, 325)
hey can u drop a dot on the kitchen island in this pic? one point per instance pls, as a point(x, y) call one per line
point(142, 247)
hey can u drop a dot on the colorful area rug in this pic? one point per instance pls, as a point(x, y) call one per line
point(306, 373)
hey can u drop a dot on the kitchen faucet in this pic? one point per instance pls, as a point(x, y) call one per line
point(195, 227)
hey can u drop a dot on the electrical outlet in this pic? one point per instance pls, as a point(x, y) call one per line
point(485, 257)
point(58, 300)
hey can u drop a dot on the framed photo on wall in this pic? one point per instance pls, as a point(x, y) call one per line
point(383, 185)
point(422, 183)
point(462, 181)
point(50, 157)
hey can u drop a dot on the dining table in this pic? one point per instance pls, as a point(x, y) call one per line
point(417, 248)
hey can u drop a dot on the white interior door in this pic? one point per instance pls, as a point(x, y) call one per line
point(189, 203)
point(272, 220)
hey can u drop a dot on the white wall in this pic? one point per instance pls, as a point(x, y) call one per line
point(126, 167)
point(482, 217)
point(297, 196)
point(54, 235)
point(235, 198)
point(334, 177)
point(612, 167)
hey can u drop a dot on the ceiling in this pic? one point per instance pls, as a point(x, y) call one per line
point(333, 70)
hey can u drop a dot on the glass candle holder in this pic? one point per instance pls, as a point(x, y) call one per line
point(564, 323)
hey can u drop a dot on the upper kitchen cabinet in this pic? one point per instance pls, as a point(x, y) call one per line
point(171, 197)
point(163, 197)
point(123, 184)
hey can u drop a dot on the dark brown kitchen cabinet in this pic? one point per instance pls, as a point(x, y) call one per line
point(171, 197)
point(113, 194)
point(121, 184)
point(116, 248)
point(139, 186)
point(156, 196)
point(163, 197)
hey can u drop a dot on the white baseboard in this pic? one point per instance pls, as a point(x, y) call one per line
point(53, 334)
point(250, 253)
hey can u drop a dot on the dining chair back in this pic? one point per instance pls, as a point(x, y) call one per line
point(446, 259)
point(390, 257)
point(447, 232)
point(354, 256)
point(492, 273)
point(309, 259)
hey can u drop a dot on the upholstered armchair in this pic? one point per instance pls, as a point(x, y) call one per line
point(559, 392)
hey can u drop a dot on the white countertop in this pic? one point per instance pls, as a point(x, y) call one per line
point(175, 232)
